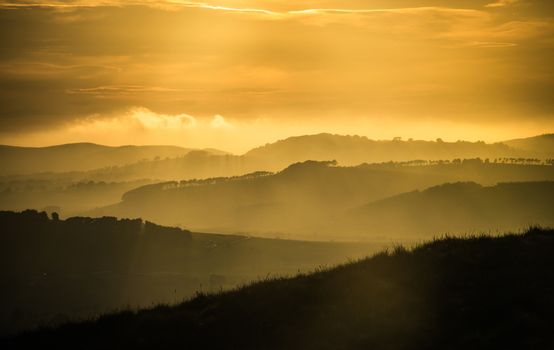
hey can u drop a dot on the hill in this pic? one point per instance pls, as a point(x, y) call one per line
point(543, 145)
point(456, 207)
point(353, 150)
point(62, 194)
point(346, 150)
point(57, 270)
point(77, 157)
point(194, 164)
point(129, 163)
point(474, 293)
point(305, 199)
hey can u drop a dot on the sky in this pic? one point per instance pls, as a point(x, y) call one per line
point(237, 74)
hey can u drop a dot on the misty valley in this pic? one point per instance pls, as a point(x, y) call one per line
point(84, 239)
point(277, 175)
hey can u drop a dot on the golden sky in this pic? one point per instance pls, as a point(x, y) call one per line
point(234, 74)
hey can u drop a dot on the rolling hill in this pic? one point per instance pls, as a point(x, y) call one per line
point(354, 150)
point(306, 200)
point(463, 207)
point(473, 293)
point(346, 150)
point(126, 168)
point(542, 145)
point(129, 163)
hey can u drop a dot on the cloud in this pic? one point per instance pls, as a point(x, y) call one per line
point(47, 69)
point(337, 13)
point(151, 120)
point(425, 21)
point(502, 3)
point(161, 4)
point(142, 126)
point(146, 120)
point(137, 121)
point(219, 122)
point(488, 44)
point(290, 60)
point(121, 90)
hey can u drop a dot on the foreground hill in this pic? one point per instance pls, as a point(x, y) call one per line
point(58, 270)
point(306, 199)
point(77, 157)
point(476, 293)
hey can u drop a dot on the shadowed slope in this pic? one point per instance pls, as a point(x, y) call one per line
point(477, 293)
point(54, 270)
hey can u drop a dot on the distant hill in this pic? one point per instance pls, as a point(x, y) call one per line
point(353, 150)
point(456, 208)
point(346, 150)
point(60, 194)
point(77, 157)
point(541, 145)
point(58, 270)
point(305, 199)
point(192, 165)
point(129, 163)
point(476, 293)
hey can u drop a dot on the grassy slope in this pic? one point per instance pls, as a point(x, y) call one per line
point(448, 294)
point(78, 268)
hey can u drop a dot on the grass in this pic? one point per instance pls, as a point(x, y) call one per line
point(451, 293)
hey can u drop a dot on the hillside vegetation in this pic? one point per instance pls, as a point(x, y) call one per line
point(58, 270)
point(473, 293)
